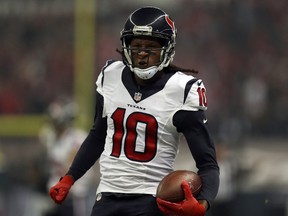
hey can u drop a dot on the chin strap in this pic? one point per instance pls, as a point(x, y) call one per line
point(147, 73)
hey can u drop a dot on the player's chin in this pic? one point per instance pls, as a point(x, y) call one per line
point(141, 66)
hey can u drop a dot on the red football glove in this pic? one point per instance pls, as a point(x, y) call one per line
point(59, 191)
point(188, 207)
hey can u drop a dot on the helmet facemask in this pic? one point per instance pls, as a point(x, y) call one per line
point(166, 56)
point(160, 28)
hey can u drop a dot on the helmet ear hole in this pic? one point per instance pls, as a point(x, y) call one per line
point(164, 42)
point(128, 40)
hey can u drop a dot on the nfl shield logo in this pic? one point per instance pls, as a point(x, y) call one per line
point(137, 96)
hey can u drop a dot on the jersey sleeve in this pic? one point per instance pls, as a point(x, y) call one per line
point(191, 120)
point(99, 83)
point(100, 79)
point(195, 96)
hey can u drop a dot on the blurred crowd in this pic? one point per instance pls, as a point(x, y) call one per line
point(241, 50)
point(239, 47)
point(36, 62)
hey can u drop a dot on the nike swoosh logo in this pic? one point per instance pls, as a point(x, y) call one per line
point(205, 120)
point(199, 82)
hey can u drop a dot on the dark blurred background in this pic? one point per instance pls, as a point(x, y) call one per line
point(240, 48)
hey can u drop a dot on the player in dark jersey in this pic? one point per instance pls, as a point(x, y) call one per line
point(143, 105)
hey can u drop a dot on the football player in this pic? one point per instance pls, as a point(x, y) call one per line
point(143, 105)
point(61, 141)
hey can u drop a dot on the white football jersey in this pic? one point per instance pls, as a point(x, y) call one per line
point(142, 142)
point(60, 151)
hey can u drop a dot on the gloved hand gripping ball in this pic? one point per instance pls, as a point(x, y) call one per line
point(188, 207)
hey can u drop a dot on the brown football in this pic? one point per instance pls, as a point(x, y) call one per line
point(170, 186)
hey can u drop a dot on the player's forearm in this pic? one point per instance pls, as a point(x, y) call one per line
point(87, 155)
point(203, 150)
point(93, 145)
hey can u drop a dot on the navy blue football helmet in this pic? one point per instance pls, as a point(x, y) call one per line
point(152, 22)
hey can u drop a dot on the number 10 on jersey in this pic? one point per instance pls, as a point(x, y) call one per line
point(129, 140)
